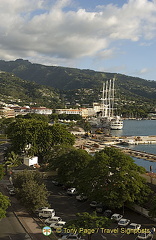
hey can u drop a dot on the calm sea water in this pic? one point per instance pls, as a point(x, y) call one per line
point(136, 128)
point(140, 128)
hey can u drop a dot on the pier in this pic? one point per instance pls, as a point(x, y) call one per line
point(91, 145)
point(139, 154)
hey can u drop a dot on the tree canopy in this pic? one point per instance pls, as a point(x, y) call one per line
point(113, 178)
point(36, 136)
point(86, 221)
point(70, 164)
point(4, 204)
point(30, 189)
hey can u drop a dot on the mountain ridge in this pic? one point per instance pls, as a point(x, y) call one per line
point(63, 78)
point(80, 88)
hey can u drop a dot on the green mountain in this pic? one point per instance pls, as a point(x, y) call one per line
point(71, 78)
point(16, 90)
point(79, 87)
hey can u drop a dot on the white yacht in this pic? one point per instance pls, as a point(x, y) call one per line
point(116, 123)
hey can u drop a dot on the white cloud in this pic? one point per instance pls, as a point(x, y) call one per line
point(49, 29)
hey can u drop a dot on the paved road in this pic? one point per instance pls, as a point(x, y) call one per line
point(66, 207)
point(11, 229)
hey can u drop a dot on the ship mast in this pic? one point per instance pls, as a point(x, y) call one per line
point(108, 99)
point(113, 97)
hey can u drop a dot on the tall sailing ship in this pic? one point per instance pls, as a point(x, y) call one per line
point(107, 119)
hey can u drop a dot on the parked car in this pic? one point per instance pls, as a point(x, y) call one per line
point(10, 187)
point(100, 208)
point(46, 213)
point(54, 219)
point(62, 233)
point(56, 183)
point(133, 227)
point(116, 217)
point(123, 222)
point(145, 236)
point(59, 225)
point(72, 237)
point(93, 204)
point(12, 192)
point(81, 197)
point(71, 191)
point(108, 213)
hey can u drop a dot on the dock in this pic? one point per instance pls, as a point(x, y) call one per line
point(92, 145)
point(138, 154)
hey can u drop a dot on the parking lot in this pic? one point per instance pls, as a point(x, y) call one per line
point(66, 207)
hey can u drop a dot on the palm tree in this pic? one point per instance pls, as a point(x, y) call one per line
point(12, 160)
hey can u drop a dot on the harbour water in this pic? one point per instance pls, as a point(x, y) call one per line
point(140, 128)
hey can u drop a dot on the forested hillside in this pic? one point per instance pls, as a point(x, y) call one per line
point(16, 90)
point(71, 78)
point(79, 87)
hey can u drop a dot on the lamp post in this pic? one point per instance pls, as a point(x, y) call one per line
point(123, 210)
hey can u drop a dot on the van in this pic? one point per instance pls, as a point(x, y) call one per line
point(47, 213)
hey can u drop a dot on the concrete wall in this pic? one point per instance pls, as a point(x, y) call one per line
point(142, 211)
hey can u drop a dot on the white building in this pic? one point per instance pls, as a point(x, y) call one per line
point(30, 161)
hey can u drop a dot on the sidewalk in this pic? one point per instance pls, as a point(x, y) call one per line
point(33, 227)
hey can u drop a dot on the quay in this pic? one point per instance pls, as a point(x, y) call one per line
point(139, 154)
point(91, 145)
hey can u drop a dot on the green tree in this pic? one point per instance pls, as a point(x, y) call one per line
point(70, 164)
point(88, 221)
point(113, 178)
point(55, 153)
point(12, 159)
point(40, 117)
point(24, 132)
point(4, 204)
point(60, 135)
point(36, 137)
point(30, 189)
point(32, 195)
point(21, 178)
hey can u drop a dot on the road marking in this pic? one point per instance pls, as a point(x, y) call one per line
point(122, 235)
point(115, 235)
point(10, 237)
point(103, 237)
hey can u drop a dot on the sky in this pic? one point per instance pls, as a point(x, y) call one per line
point(117, 36)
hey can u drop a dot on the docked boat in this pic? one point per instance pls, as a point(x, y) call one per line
point(107, 119)
point(116, 123)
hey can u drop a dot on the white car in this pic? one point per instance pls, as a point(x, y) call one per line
point(59, 225)
point(71, 191)
point(145, 236)
point(54, 219)
point(133, 227)
point(116, 217)
point(123, 222)
point(12, 192)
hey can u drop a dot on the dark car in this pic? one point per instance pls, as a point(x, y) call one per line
point(100, 208)
point(108, 213)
